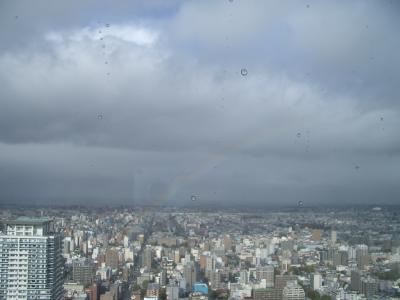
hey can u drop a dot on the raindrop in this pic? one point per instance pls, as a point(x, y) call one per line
point(193, 198)
point(298, 135)
point(381, 118)
point(308, 5)
point(243, 72)
point(100, 117)
point(300, 203)
point(357, 167)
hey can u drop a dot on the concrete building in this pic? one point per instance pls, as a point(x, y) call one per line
point(147, 257)
point(267, 273)
point(267, 294)
point(316, 234)
point(282, 280)
point(32, 263)
point(112, 258)
point(172, 292)
point(190, 275)
point(316, 281)
point(83, 271)
point(293, 291)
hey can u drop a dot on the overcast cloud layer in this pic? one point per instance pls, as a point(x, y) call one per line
point(148, 102)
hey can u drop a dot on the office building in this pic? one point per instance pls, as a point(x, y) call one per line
point(267, 294)
point(190, 275)
point(147, 257)
point(267, 273)
point(83, 271)
point(316, 281)
point(293, 291)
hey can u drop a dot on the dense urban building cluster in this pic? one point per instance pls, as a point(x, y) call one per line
point(148, 254)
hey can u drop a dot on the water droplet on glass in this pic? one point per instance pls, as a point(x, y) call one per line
point(107, 25)
point(243, 72)
point(357, 167)
point(100, 117)
point(300, 203)
point(298, 135)
point(193, 198)
point(381, 118)
point(308, 5)
point(106, 62)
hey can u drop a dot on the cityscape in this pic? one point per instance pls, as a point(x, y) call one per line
point(199, 150)
point(182, 253)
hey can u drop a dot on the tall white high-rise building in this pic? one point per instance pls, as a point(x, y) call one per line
point(31, 264)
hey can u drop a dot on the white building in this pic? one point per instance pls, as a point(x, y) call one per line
point(31, 260)
point(293, 291)
point(316, 281)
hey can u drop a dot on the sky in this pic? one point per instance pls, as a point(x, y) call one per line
point(211, 102)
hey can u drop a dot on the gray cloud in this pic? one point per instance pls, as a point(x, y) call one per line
point(154, 109)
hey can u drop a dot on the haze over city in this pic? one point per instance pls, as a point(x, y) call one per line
point(235, 102)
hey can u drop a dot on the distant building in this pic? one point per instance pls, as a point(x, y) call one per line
point(227, 243)
point(112, 258)
point(83, 271)
point(293, 291)
point(147, 258)
point(267, 294)
point(340, 258)
point(355, 280)
point(267, 273)
point(153, 290)
point(199, 287)
point(31, 260)
point(333, 237)
point(190, 275)
point(163, 277)
point(172, 292)
point(282, 280)
point(369, 287)
point(316, 234)
point(316, 281)
point(94, 292)
point(112, 294)
point(361, 251)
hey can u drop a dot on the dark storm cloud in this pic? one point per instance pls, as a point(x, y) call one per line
point(154, 106)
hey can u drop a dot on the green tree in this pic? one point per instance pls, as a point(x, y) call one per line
point(163, 294)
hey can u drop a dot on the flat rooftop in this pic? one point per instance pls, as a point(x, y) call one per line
point(28, 221)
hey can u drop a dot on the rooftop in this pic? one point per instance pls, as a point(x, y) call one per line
point(28, 221)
